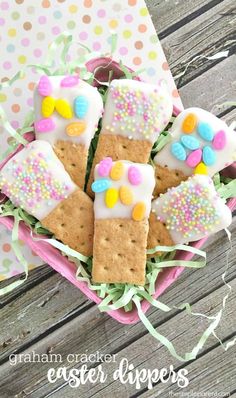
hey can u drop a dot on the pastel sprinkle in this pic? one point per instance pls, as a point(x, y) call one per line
point(111, 197)
point(69, 81)
point(209, 156)
point(138, 212)
point(48, 105)
point(81, 106)
point(104, 167)
point(44, 125)
point(63, 108)
point(44, 86)
point(75, 129)
point(219, 140)
point(178, 151)
point(189, 123)
point(134, 175)
point(194, 158)
point(201, 169)
point(126, 195)
point(190, 142)
point(117, 171)
point(205, 131)
point(101, 185)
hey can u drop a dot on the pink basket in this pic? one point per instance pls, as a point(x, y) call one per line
point(66, 268)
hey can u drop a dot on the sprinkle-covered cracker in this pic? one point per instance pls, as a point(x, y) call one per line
point(35, 180)
point(123, 192)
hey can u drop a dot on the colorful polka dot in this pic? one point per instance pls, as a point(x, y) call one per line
point(3, 97)
point(143, 12)
point(15, 108)
point(138, 45)
point(101, 13)
point(11, 32)
point(142, 28)
point(86, 19)
point(31, 10)
point(127, 34)
point(128, 18)
point(4, 5)
point(22, 59)
point(7, 65)
point(25, 42)
point(132, 3)
point(57, 14)
point(98, 30)
point(137, 60)
point(97, 46)
point(56, 30)
point(71, 24)
point(37, 52)
point(6, 247)
point(15, 15)
point(123, 50)
point(2, 21)
point(27, 25)
point(152, 55)
point(113, 23)
point(46, 4)
point(73, 8)
point(88, 3)
point(40, 36)
point(10, 48)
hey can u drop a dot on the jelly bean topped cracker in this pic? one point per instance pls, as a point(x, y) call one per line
point(201, 144)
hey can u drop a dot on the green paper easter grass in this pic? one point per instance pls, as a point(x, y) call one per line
point(114, 296)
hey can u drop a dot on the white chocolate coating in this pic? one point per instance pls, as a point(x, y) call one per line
point(91, 118)
point(35, 180)
point(137, 110)
point(224, 157)
point(205, 212)
point(141, 192)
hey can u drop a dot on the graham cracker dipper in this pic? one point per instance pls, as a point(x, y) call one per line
point(135, 114)
point(201, 144)
point(67, 111)
point(35, 180)
point(187, 213)
point(123, 192)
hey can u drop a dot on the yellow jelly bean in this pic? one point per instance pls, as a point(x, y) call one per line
point(111, 197)
point(75, 129)
point(189, 123)
point(138, 212)
point(48, 105)
point(117, 171)
point(126, 195)
point(201, 169)
point(64, 109)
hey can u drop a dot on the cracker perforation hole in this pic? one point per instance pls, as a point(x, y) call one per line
point(62, 225)
point(73, 165)
point(131, 269)
point(81, 226)
point(158, 177)
point(133, 241)
point(177, 174)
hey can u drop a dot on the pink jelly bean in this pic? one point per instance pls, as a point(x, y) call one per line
point(219, 140)
point(44, 86)
point(44, 125)
point(134, 175)
point(104, 167)
point(194, 158)
point(69, 81)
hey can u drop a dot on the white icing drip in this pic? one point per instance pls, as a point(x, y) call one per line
point(56, 169)
point(91, 118)
point(224, 213)
point(141, 193)
point(161, 112)
point(223, 157)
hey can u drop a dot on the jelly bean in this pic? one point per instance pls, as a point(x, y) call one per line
point(138, 212)
point(101, 185)
point(178, 151)
point(44, 125)
point(104, 167)
point(81, 106)
point(63, 108)
point(190, 142)
point(111, 197)
point(205, 131)
point(117, 171)
point(126, 195)
point(69, 81)
point(75, 129)
point(201, 169)
point(209, 156)
point(194, 158)
point(44, 86)
point(189, 123)
point(134, 175)
point(48, 105)
point(219, 140)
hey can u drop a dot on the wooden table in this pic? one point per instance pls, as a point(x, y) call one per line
point(48, 315)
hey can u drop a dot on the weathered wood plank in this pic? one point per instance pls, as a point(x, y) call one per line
point(206, 35)
point(92, 331)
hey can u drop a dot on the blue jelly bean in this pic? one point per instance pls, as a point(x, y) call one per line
point(190, 142)
point(81, 106)
point(178, 151)
point(205, 131)
point(101, 185)
point(208, 156)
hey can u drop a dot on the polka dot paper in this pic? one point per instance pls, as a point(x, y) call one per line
point(27, 28)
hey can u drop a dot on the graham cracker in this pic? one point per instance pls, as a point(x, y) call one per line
point(74, 158)
point(167, 178)
point(72, 222)
point(119, 148)
point(158, 235)
point(119, 254)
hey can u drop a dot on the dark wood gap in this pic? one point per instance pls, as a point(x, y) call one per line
point(166, 32)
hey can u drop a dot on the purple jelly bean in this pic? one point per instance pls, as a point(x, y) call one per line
point(219, 140)
point(104, 167)
point(69, 81)
point(44, 86)
point(134, 175)
point(44, 125)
